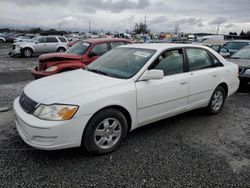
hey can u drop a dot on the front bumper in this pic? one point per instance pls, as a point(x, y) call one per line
point(40, 74)
point(49, 135)
point(15, 52)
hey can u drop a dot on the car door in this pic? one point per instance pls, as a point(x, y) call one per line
point(41, 45)
point(96, 51)
point(157, 99)
point(52, 43)
point(204, 76)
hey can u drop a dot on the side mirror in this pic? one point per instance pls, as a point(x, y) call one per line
point(152, 75)
point(92, 54)
point(36, 42)
point(225, 54)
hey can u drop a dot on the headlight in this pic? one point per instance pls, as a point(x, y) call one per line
point(247, 72)
point(58, 112)
point(17, 46)
point(51, 69)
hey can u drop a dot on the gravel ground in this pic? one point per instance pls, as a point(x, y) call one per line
point(188, 150)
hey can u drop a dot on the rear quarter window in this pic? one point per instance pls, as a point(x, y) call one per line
point(62, 39)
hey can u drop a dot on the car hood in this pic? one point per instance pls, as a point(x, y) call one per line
point(51, 57)
point(241, 62)
point(59, 87)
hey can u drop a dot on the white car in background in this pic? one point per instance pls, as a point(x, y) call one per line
point(126, 88)
point(2, 40)
point(39, 45)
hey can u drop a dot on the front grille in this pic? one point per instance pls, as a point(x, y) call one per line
point(241, 70)
point(27, 104)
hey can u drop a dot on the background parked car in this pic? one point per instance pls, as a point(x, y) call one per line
point(80, 54)
point(236, 45)
point(40, 45)
point(2, 40)
point(242, 59)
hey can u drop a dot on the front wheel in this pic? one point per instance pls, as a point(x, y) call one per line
point(217, 100)
point(105, 131)
point(27, 52)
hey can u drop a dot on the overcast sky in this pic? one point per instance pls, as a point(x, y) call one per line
point(119, 15)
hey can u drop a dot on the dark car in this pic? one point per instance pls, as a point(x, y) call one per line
point(242, 59)
point(80, 54)
point(236, 45)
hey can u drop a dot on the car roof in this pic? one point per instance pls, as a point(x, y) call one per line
point(160, 46)
point(101, 40)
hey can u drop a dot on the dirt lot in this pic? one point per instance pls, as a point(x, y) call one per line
point(191, 149)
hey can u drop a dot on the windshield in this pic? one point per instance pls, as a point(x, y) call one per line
point(242, 54)
point(34, 39)
point(236, 45)
point(121, 62)
point(79, 48)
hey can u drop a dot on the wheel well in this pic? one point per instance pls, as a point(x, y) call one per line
point(61, 47)
point(225, 87)
point(122, 110)
point(28, 48)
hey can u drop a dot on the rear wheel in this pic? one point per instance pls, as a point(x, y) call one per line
point(61, 49)
point(217, 100)
point(27, 52)
point(105, 131)
point(1, 41)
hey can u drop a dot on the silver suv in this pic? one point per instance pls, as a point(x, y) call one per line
point(39, 45)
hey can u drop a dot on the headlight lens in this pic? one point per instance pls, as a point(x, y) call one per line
point(51, 69)
point(58, 112)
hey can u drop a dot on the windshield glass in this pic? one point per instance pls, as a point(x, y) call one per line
point(236, 45)
point(121, 62)
point(79, 48)
point(242, 54)
point(34, 39)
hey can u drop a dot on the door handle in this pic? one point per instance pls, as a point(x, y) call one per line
point(183, 83)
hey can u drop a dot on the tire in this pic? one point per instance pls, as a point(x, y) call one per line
point(217, 100)
point(99, 133)
point(1, 41)
point(27, 52)
point(61, 49)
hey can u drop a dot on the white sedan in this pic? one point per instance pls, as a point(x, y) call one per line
point(126, 88)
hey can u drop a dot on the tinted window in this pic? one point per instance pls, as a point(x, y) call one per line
point(51, 39)
point(198, 59)
point(116, 44)
point(236, 45)
point(100, 49)
point(171, 62)
point(42, 40)
point(62, 39)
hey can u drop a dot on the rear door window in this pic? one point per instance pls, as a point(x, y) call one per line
point(62, 39)
point(51, 39)
point(198, 59)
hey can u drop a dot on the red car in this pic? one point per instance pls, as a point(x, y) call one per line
point(80, 54)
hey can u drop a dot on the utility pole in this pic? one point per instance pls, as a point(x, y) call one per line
point(89, 26)
point(218, 28)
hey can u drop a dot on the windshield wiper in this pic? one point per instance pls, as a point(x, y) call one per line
point(96, 71)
